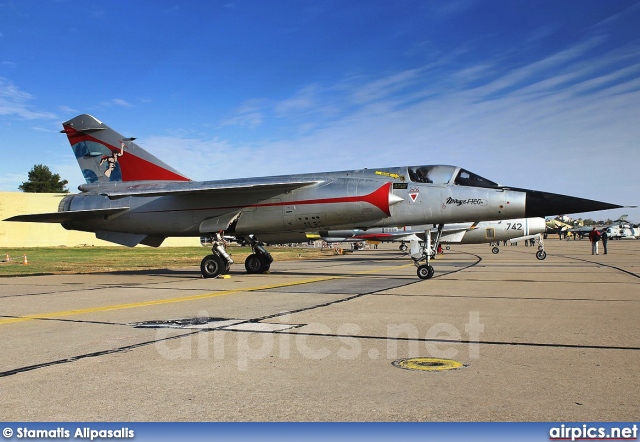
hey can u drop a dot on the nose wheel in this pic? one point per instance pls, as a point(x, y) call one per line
point(425, 252)
point(425, 271)
point(541, 254)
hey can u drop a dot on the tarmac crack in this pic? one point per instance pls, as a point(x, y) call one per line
point(89, 355)
point(516, 298)
point(635, 275)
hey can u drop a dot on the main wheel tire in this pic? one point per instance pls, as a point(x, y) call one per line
point(403, 247)
point(211, 266)
point(425, 271)
point(255, 264)
point(495, 250)
point(541, 254)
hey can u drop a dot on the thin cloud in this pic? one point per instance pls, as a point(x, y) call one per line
point(120, 102)
point(533, 71)
point(67, 110)
point(117, 102)
point(303, 100)
point(610, 21)
point(249, 114)
point(14, 101)
point(389, 85)
point(452, 7)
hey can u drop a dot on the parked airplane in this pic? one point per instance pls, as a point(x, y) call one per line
point(619, 229)
point(131, 197)
point(459, 233)
point(559, 227)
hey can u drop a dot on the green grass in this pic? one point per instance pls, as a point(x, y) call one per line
point(60, 260)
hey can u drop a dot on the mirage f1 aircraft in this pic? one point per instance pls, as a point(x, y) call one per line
point(131, 197)
point(484, 232)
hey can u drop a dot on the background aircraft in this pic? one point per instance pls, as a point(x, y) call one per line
point(459, 233)
point(619, 229)
point(131, 197)
point(558, 226)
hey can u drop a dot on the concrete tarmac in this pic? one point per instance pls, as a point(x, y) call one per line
point(552, 340)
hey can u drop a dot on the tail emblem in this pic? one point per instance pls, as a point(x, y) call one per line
point(112, 160)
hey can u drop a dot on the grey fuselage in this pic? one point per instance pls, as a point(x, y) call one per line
point(335, 200)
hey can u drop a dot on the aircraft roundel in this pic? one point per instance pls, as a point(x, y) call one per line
point(413, 194)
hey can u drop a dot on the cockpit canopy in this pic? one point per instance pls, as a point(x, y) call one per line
point(448, 175)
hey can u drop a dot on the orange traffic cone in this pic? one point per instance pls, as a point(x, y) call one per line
point(6, 257)
point(24, 260)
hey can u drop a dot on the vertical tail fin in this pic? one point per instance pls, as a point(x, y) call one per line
point(106, 156)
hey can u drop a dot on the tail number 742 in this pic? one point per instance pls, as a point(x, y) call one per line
point(514, 226)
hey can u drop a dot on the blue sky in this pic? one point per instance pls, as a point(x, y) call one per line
point(535, 94)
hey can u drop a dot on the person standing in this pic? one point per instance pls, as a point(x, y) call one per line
point(594, 237)
point(605, 237)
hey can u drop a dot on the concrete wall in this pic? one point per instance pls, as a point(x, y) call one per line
point(13, 234)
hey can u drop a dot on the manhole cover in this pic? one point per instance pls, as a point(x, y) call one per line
point(428, 364)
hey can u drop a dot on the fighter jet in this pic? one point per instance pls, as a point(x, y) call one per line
point(491, 232)
point(131, 197)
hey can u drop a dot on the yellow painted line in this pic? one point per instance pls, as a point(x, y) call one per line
point(107, 308)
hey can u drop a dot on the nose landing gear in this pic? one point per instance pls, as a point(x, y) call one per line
point(425, 253)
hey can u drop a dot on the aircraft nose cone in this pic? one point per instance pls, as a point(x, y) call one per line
point(546, 204)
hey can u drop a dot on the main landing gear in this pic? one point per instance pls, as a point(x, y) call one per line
point(260, 260)
point(220, 261)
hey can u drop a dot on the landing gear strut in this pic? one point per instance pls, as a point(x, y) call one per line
point(541, 254)
point(218, 262)
point(260, 260)
point(425, 253)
